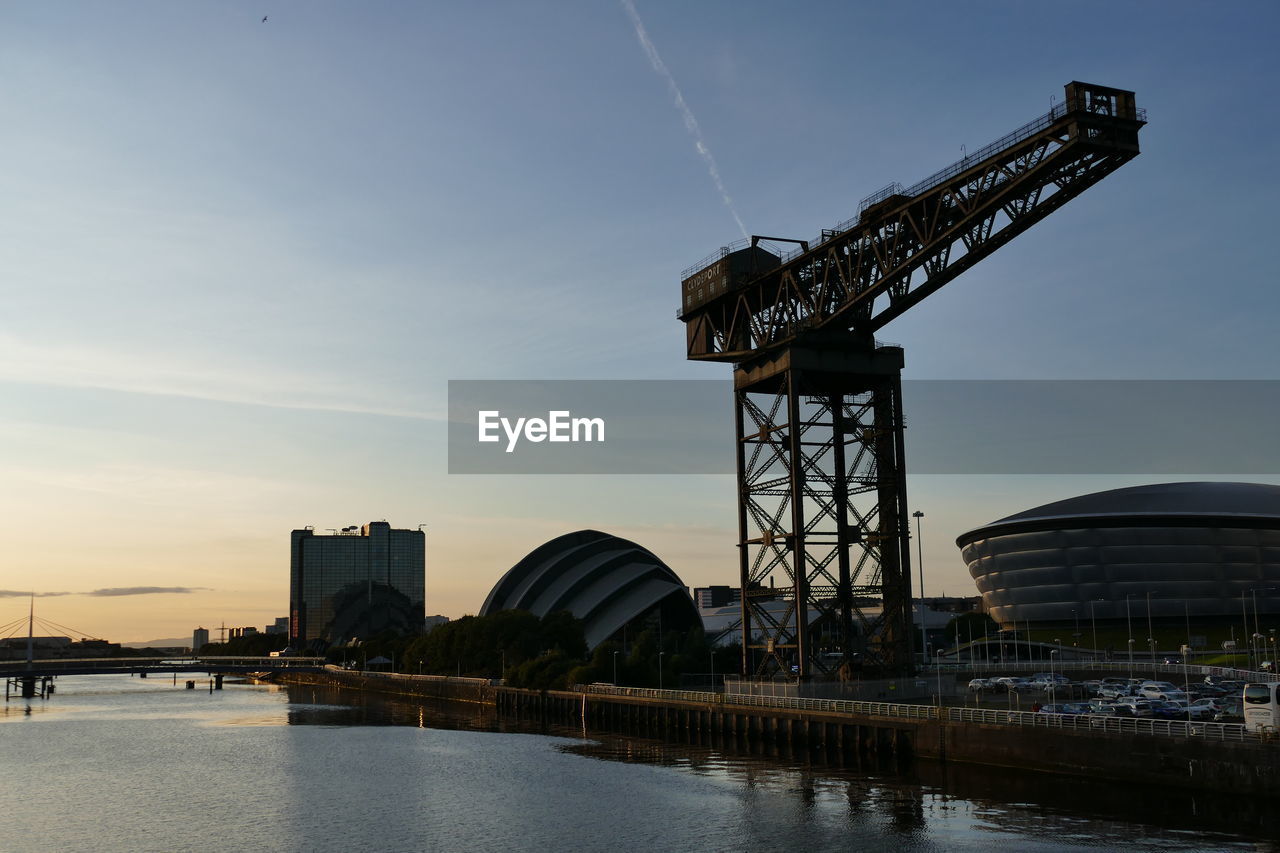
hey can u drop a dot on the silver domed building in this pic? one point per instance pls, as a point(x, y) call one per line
point(1195, 551)
point(605, 581)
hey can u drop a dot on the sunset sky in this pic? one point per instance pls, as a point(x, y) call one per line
point(240, 260)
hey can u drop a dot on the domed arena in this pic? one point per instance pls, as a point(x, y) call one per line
point(605, 581)
point(1203, 552)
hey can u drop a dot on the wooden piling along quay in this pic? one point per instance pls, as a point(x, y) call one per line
point(706, 720)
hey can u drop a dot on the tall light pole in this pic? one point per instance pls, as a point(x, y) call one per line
point(1151, 637)
point(917, 515)
point(1244, 614)
point(1094, 620)
point(615, 669)
point(1128, 618)
point(660, 654)
point(938, 668)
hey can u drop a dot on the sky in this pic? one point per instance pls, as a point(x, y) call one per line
point(241, 259)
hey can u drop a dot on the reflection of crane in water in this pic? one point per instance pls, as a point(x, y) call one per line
point(822, 499)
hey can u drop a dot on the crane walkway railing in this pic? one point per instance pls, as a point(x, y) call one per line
point(939, 177)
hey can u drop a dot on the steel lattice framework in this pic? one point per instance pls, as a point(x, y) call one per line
point(821, 474)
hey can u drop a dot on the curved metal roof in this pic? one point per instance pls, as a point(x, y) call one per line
point(1170, 502)
point(601, 579)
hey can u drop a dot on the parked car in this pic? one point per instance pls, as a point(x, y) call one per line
point(1232, 711)
point(1161, 690)
point(1139, 707)
point(1163, 710)
point(1050, 676)
point(978, 685)
point(1113, 691)
point(1196, 711)
point(1104, 712)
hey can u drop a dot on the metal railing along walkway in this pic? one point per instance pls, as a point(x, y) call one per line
point(984, 716)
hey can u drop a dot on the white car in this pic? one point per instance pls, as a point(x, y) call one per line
point(1012, 682)
point(1162, 690)
point(1214, 705)
point(978, 685)
point(1193, 711)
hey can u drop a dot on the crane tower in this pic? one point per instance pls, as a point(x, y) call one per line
point(822, 503)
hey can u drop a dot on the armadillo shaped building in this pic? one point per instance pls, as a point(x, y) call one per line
point(605, 581)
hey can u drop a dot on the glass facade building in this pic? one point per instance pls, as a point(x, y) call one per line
point(355, 583)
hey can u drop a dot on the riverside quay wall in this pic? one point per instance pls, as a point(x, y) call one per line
point(1198, 756)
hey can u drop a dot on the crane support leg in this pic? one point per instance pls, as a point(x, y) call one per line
point(824, 551)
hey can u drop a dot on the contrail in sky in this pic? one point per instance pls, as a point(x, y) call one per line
point(690, 123)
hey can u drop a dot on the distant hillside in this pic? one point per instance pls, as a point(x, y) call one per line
point(172, 642)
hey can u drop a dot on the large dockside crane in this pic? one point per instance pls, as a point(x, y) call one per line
point(822, 502)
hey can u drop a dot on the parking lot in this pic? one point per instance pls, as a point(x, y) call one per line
point(1209, 699)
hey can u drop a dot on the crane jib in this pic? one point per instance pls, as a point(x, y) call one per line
point(906, 243)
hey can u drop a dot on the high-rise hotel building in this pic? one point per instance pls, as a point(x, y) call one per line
point(355, 583)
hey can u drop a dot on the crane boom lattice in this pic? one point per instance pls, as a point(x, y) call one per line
point(821, 475)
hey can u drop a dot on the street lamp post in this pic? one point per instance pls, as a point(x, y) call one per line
point(938, 668)
point(1244, 614)
point(1094, 621)
point(917, 515)
point(615, 669)
point(660, 654)
point(1151, 637)
point(1128, 618)
point(1053, 681)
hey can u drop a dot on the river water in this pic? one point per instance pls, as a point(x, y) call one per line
point(113, 763)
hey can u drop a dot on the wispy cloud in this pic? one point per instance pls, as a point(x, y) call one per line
point(148, 590)
point(110, 591)
point(78, 366)
point(690, 122)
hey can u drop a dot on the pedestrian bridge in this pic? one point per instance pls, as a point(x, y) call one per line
point(146, 666)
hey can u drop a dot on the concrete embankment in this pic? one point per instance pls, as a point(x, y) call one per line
point(1193, 762)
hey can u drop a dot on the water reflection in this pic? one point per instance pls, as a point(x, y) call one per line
point(903, 798)
point(331, 706)
point(1048, 807)
point(343, 768)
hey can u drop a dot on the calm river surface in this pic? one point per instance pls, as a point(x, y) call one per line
point(113, 763)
